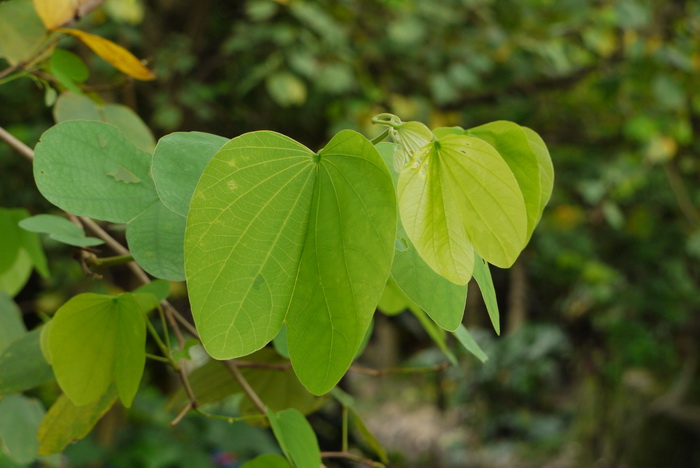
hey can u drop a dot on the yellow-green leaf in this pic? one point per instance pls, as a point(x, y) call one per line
point(66, 422)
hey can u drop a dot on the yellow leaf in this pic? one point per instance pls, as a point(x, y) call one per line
point(55, 13)
point(118, 56)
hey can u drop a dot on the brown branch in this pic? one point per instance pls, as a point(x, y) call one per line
point(232, 366)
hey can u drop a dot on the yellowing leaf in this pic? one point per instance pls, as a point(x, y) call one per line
point(56, 13)
point(118, 56)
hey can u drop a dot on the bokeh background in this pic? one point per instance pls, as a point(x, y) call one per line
point(597, 365)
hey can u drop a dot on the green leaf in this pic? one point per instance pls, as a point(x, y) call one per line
point(65, 423)
point(11, 324)
point(22, 365)
point(178, 163)
point(68, 69)
point(277, 232)
point(71, 106)
point(296, 438)
point(482, 275)
point(458, 192)
point(72, 166)
point(59, 229)
point(156, 238)
point(443, 300)
point(158, 288)
point(544, 160)
point(465, 338)
point(513, 144)
point(278, 388)
point(268, 460)
point(436, 334)
point(286, 89)
point(19, 251)
point(96, 340)
point(21, 30)
point(411, 137)
point(393, 300)
point(18, 425)
point(281, 342)
point(372, 441)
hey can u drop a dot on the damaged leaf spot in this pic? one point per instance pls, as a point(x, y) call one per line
point(123, 174)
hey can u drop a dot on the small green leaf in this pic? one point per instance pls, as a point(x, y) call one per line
point(159, 288)
point(72, 164)
point(465, 338)
point(178, 163)
point(458, 192)
point(296, 438)
point(393, 300)
point(18, 426)
point(60, 229)
point(11, 325)
point(19, 251)
point(66, 423)
point(96, 340)
point(268, 460)
point(281, 342)
point(22, 365)
point(286, 89)
point(482, 275)
point(68, 69)
point(156, 238)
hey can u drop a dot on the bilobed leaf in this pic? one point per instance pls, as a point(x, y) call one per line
point(65, 422)
point(512, 143)
point(96, 340)
point(11, 324)
point(71, 106)
point(441, 299)
point(410, 137)
point(156, 238)
point(21, 30)
point(178, 162)
point(466, 340)
point(22, 365)
point(268, 460)
point(72, 166)
point(116, 55)
point(457, 196)
point(296, 438)
point(277, 232)
point(60, 229)
point(18, 425)
point(482, 275)
point(56, 13)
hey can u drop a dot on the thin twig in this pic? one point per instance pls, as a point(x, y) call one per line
point(247, 389)
point(16, 144)
point(353, 457)
point(182, 414)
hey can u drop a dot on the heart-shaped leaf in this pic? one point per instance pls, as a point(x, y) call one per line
point(95, 340)
point(458, 192)
point(278, 232)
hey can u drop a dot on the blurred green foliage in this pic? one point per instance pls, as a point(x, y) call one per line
point(610, 350)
